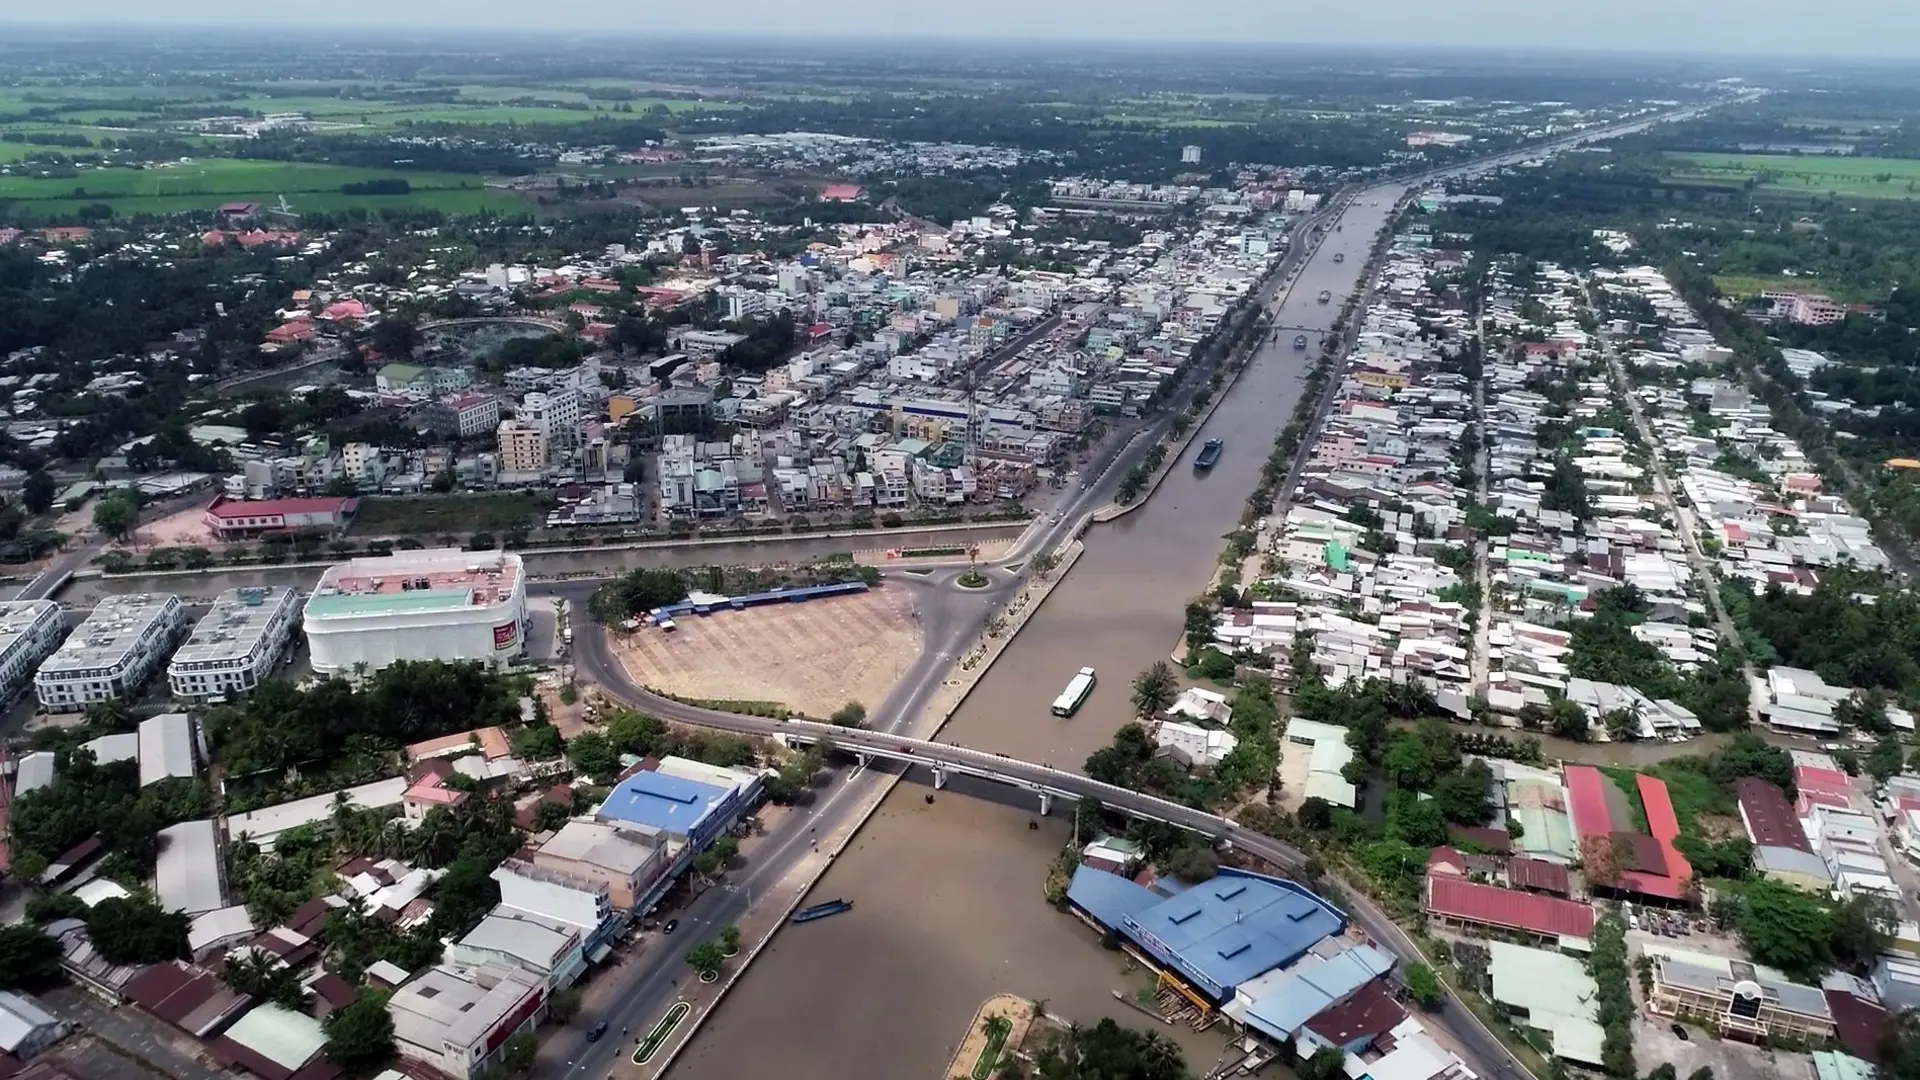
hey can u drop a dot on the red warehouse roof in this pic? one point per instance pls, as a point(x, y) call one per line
point(270, 507)
point(1587, 798)
point(1768, 815)
point(1539, 874)
point(1492, 906)
point(1665, 827)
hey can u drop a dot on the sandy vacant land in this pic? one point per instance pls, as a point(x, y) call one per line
point(812, 657)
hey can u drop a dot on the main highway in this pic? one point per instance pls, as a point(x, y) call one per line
point(952, 620)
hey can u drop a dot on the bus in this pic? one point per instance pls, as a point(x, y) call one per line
point(1075, 694)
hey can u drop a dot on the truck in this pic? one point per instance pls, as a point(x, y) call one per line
point(1075, 695)
point(1326, 295)
point(1299, 341)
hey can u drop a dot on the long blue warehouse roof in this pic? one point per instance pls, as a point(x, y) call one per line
point(1109, 898)
point(1234, 927)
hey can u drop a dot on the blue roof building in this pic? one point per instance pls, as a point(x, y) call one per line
point(1217, 934)
point(1280, 1003)
point(681, 808)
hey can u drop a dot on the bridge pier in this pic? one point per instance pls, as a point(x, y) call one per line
point(939, 778)
point(865, 759)
point(1046, 803)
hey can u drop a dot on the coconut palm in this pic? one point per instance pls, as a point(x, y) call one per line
point(1153, 689)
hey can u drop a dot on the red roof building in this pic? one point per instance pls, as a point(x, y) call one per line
point(346, 311)
point(289, 332)
point(1496, 841)
point(190, 998)
point(232, 520)
point(1664, 824)
point(1539, 875)
point(1768, 815)
point(1367, 1014)
point(1649, 865)
point(1858, 1022)
point(1448, 861)
point(1464, 902)
point(841, 192)
point(1587, 800)
point(1807, 778)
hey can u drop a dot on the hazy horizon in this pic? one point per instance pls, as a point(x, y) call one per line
point(1777, 28)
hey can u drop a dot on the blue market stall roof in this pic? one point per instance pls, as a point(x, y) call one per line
point(1218, 934)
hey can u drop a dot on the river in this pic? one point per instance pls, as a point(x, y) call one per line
point(948, 896)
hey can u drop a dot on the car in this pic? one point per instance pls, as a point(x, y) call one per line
point(599, 1029)
point(1679, 1031)
point(671, 926)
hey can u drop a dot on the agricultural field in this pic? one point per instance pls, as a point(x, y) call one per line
point(202, 184)
point(1782, 174)
point(373, 107)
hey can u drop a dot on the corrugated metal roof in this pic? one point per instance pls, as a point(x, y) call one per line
point(1768, 815)
point(1494, 906)
point(166, 748)
point(1587, 798)
point(186, 873)
point(1557, 993)
point(1235, 926)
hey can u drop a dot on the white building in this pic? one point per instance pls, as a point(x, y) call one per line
point(459, 1021)
point(30, 630)
point(1196, 746)
point(555, 414)
point(235, 645)
point(363, 463)
point(549, 948)
point(113, 654)
point(1189, 155)
point(583, 903)
point(442, 604)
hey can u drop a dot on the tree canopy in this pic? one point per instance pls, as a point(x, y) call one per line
point(360, 1036)
point(131, 930)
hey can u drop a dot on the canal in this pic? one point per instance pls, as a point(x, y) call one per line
point(949, 894)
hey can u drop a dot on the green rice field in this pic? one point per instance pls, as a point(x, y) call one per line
point(202, 184)
point(1812, 175)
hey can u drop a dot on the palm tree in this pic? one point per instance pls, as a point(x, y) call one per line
point(1153, 689)
point(342, 816)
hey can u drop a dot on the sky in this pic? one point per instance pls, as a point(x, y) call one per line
point(1779, 27)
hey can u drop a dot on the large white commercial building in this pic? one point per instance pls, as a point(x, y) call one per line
point(113, 654)
point(441, 604)
point(29, 632)
point(458, 1020)
point(236, 644)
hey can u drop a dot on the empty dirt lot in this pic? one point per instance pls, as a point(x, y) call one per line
point(812, 657)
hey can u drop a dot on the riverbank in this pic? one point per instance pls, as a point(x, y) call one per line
point(999, 1027)
point(762, 926)
point(1177, 447)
